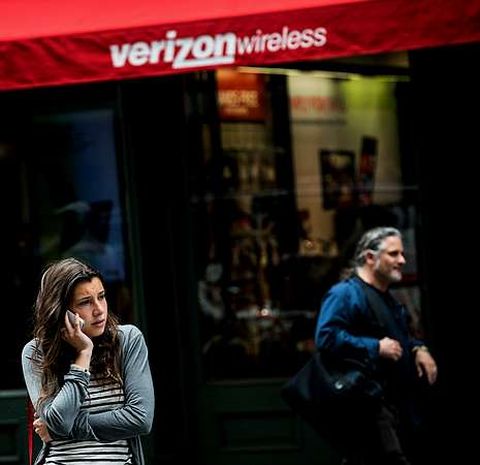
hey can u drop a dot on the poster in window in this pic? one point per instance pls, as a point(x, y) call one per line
point(338, 178)
point(241, 96)
point(366, 170)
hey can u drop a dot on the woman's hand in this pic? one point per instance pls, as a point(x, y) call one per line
point(40, 427)
point(73, 335)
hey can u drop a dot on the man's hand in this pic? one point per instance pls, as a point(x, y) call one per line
point(426, 365)
point(390, 348)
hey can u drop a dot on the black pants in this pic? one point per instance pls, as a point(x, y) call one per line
point(377, 440)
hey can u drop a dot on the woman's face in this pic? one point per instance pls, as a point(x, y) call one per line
point(89, 301)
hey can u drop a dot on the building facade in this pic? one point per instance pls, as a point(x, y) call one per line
point(220, 205)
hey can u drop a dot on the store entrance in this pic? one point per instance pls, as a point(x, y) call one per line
point(293, 167)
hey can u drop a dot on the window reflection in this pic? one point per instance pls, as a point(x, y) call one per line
point(286, 196)
point(77, 176)
point(76, 191)
point(59, 197)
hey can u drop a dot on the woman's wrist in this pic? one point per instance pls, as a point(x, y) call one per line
point(83, 359)
point(74, 366)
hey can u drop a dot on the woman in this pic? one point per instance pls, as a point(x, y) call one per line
point(88, 377)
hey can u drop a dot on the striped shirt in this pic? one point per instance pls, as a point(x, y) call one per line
point(103, 395)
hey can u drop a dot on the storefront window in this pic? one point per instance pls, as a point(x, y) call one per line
point(286, 196)
point(77, 179)
point(60, 198)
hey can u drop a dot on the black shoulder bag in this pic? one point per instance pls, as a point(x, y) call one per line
point(317, 392)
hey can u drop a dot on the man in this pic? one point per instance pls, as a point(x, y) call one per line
point(347, 327)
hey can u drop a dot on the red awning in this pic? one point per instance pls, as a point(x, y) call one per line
point(53, 42)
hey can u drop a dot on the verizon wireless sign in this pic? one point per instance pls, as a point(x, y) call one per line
point(118, 45)
point(212, 50)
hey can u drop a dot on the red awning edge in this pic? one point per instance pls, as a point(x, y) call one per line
point(332, 29)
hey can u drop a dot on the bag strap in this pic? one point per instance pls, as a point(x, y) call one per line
point(30, 419)
point(378, 305)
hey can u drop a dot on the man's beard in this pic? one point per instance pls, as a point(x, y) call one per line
point(395, 276)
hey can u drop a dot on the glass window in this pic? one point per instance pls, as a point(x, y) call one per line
point(76, 180)
point(60, 197)
point(296, 165)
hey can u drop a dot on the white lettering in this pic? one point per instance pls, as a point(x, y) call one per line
point(205, 51)
point(203, 47)
point(119, 54)
point(320, 35)
point(169, 54)
point(307, 38)
point(225, 44)
point(293, 41)
point(208, 50)
point(246, 45)
point(182, 54)
point(156, 47)
point(274, 42)
point(139, 54)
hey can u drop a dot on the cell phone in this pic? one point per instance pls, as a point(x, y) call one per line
point(71, 317)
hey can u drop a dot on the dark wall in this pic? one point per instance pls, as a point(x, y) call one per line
point(446, 99)
point(153, 118)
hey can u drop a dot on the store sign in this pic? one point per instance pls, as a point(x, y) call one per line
point(241, 96)
point(319, 100)
point(210, 50)
point(132, 41)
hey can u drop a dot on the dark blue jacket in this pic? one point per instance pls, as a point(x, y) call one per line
point(348, 328)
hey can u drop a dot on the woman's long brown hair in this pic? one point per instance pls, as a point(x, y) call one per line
point(53, 355)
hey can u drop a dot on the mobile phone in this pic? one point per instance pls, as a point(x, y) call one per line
point(71, 317)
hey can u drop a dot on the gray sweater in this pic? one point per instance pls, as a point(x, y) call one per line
point(62, 412)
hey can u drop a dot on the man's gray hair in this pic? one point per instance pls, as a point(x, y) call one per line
point(372, 240)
